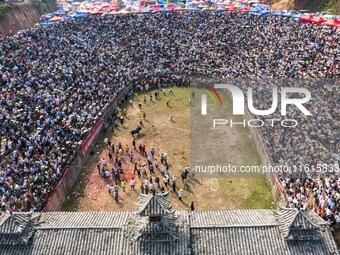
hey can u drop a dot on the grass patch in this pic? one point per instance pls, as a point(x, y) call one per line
point(4, 8)
point(247, 193)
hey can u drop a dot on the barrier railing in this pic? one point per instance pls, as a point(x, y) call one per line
point(86, 144)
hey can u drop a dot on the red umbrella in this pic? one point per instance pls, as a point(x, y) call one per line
point(56, 18)
point(155, 8)
point(306, 18)
point(245, 9)
point(202, 6)
point(317, 20)
point(112, 7)
point(171, 6)
point(332, 23)
point(178, 9)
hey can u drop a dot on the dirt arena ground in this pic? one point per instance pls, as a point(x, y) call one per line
point(91, 193)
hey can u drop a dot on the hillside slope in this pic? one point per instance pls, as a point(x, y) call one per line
point(22, 15)
point(332, 6)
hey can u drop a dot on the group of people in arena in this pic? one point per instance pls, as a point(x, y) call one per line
point(56, 81)
point(151, 169)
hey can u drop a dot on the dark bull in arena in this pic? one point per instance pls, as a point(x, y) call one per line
point(135, 131)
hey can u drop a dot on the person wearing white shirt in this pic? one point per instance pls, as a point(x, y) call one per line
point(132, 184)
point(180, 195)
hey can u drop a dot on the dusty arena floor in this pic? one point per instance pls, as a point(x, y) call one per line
point(91, 194)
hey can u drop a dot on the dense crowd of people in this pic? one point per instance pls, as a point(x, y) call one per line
point(55, 82)
point(321, 195)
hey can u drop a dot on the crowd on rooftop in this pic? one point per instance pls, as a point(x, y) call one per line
point(55, 82)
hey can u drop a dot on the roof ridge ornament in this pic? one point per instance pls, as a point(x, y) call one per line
point(298, 225)
point(154, 205)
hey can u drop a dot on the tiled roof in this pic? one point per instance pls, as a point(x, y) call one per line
point(237, 240)
point(234, 232)
point(154, 205)
point(69, 242)
point(233, 218)
point(299, 225)
point(253, 241)
point(16, 229)
point(167, 239)
point(83, 220)
point(260, 232)
point(13, 223)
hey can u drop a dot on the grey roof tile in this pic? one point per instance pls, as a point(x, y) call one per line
point(83, 219)
point(154, 204)
point(233, 218)
point(234, 232)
